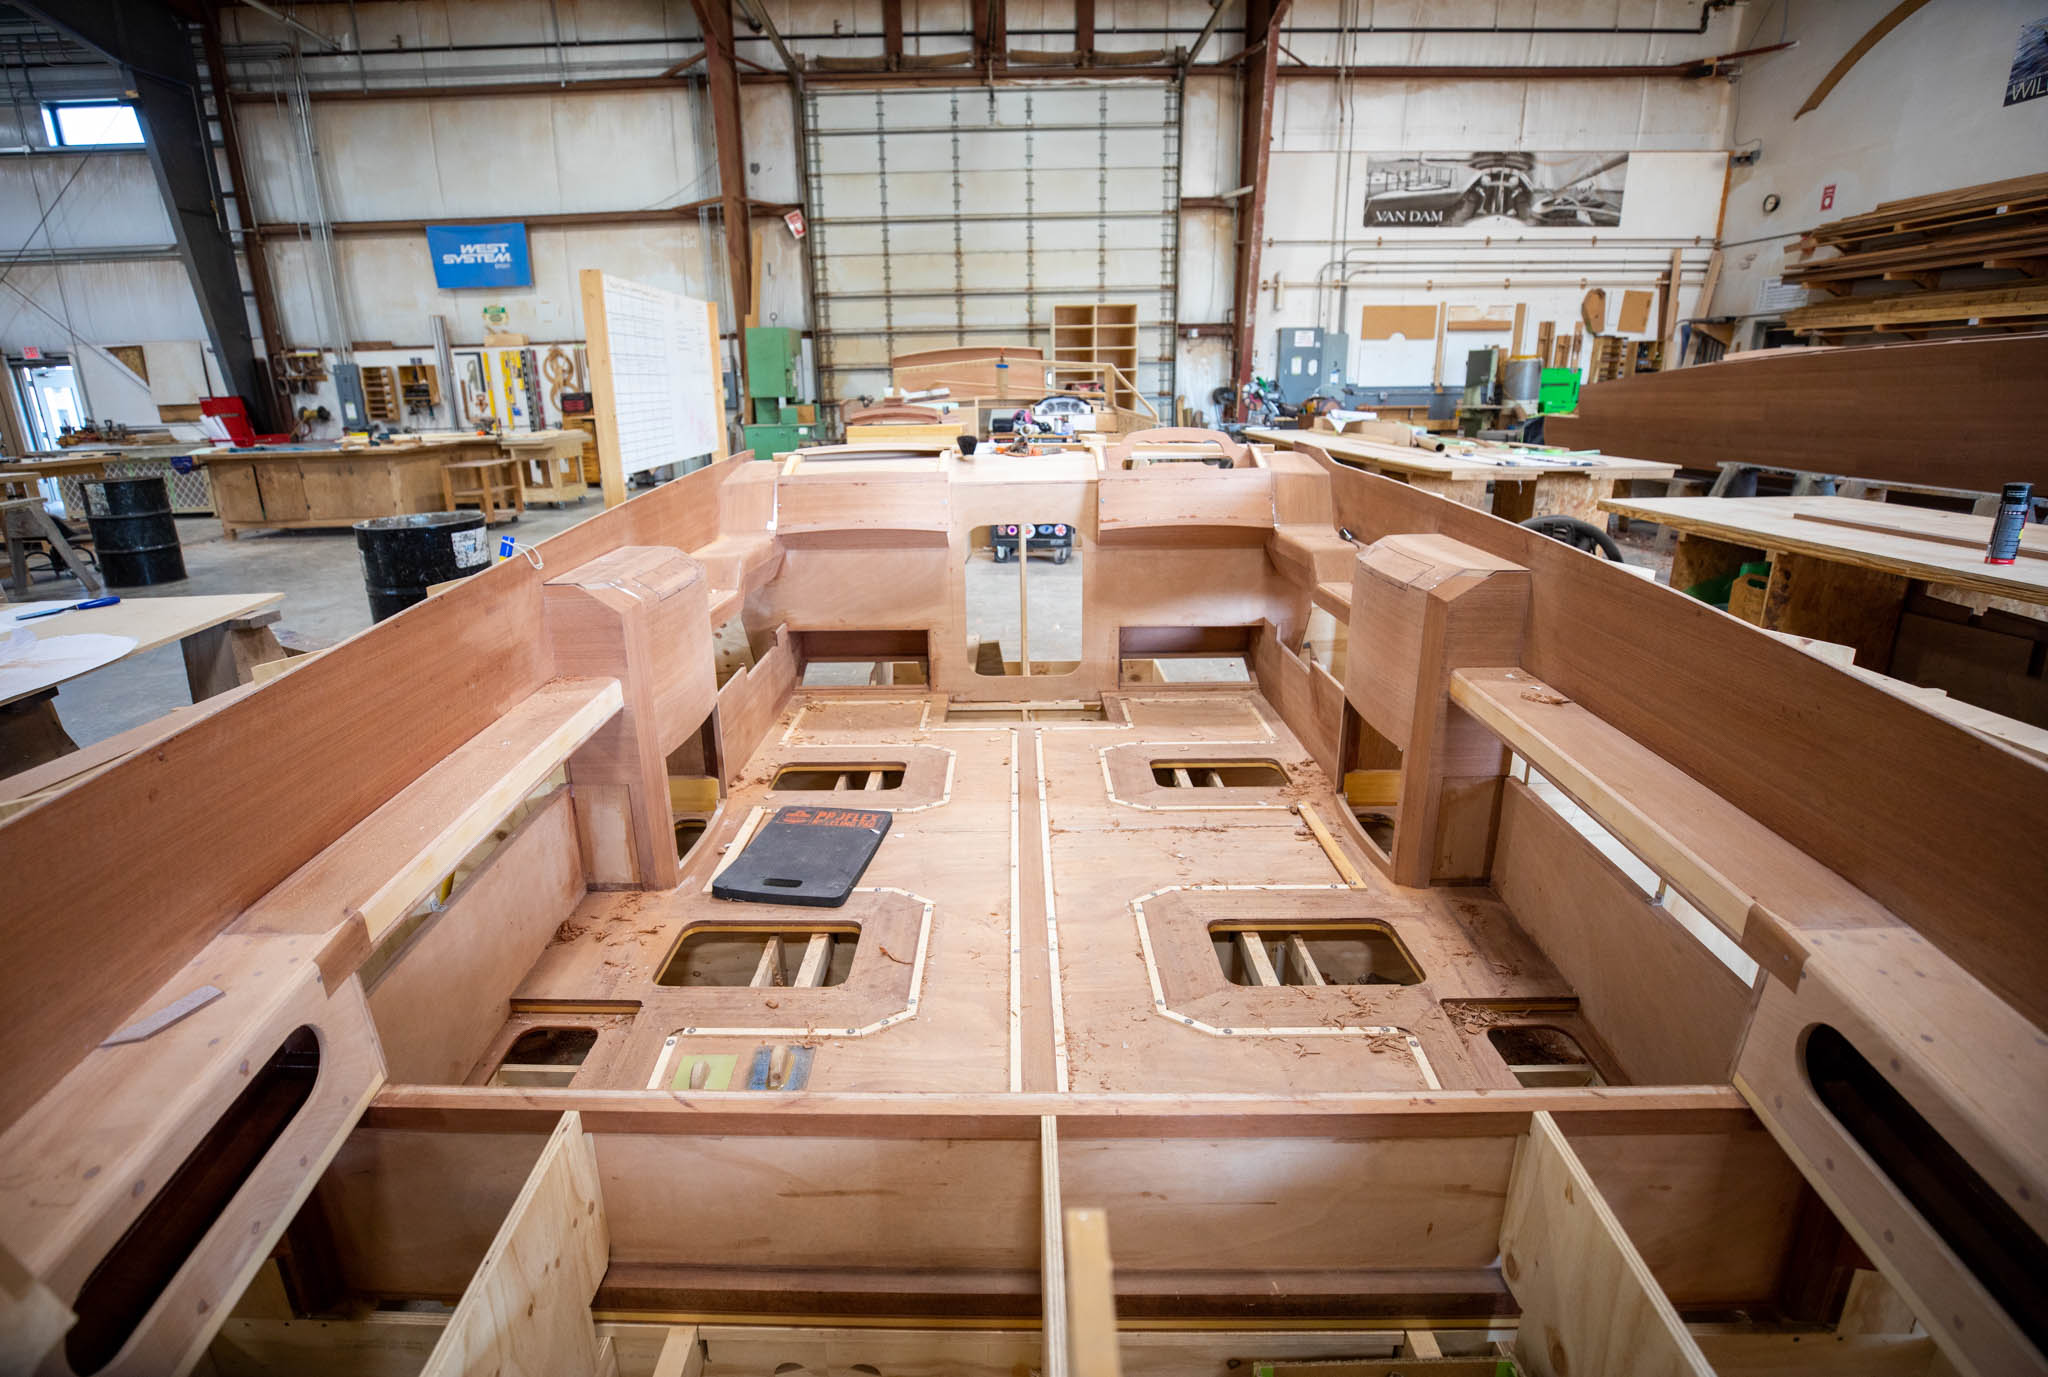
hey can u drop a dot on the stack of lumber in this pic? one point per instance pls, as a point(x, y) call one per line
point(1996, 233)
point(1960, 413)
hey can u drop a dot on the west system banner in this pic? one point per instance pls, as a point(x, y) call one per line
point(479, 255)
point(1440, 190)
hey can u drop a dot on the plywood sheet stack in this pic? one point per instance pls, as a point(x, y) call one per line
point(1976, 258)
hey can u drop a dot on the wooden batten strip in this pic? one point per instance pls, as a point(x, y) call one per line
point(1330, 847)
point(1052, 1246)
point(1091, 1296)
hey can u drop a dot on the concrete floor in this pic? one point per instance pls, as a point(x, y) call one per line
point(317, 571)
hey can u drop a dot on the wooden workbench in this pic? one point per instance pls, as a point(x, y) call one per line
point(73, 467)
point(1521, 489)
point(292, 489)
point(1843, 569)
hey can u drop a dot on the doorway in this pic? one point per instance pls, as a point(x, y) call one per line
point(47, 391)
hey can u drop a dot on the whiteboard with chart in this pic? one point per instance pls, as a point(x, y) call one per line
point(655, 377)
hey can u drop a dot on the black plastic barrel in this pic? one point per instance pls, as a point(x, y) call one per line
point(132, 531)
point(403, 556)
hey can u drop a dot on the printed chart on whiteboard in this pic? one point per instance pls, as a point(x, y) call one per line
point(664, 375)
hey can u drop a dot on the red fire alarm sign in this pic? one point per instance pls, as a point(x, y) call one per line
point(1827, 197)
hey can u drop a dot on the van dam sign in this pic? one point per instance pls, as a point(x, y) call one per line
point(479, 255)
point(1444, 190)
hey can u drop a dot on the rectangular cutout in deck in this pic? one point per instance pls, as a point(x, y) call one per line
point(1325, 954)
point(1542, 1057)
point(866, 776)
point(764, 958)
point(1218, 774)
point(545, 1057)
point(977, 714)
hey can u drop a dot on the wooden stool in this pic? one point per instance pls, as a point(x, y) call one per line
point(492, 484)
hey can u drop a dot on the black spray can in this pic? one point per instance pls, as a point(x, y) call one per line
point(2011, 519)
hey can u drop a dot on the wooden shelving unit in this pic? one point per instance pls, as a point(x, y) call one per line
point(1104, 332)
point(380, 394)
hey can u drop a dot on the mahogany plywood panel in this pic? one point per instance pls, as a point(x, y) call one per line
point(444, 999)
point(314, 752)
point(1789, 739)
point(1670, 1010)
point(1950, 413)
point(413, 1213)
point(1712, 1214)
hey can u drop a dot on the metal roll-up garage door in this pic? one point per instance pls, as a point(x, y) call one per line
point(947, 216)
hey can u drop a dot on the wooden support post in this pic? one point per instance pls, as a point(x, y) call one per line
point(1443, 312)
point(1052, 1256)
point(221, 657)
point(1836, 602)
point(1254, 143)
point(681, 1354)
point(714, 18)
point(1420, 1343)
point(1024, 601)
point(892, 31)
point(1431, 605)
point(1091, 1296)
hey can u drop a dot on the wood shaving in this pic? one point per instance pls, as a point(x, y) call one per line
point(1544, 696)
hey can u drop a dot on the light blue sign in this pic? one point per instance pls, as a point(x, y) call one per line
point(479, 255)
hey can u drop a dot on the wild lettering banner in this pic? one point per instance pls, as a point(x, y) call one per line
point(1444, 190)
point(479, 255)
point(2029, 79)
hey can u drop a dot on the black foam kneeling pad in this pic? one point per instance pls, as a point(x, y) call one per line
point(811, 857)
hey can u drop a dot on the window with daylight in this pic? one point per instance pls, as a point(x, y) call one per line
point(91, 124)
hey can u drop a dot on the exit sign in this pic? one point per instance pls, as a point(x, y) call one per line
point(30, 351)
